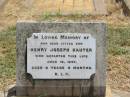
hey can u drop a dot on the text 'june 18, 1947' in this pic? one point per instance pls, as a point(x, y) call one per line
point(61, 55)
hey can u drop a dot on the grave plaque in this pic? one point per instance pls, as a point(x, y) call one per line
point(61, 55)
point(61, 59)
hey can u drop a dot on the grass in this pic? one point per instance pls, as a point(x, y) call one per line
point(118, 42)
point(58, 16)
point(7, 54)
point(118, 57)
point(48, 16)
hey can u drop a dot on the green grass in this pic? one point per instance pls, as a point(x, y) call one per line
point(118, 40)
point(7, 52)
point(58, 16)
point(49, 16)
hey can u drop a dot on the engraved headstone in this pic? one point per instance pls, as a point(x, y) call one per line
point(61, 56)
point(61, 59)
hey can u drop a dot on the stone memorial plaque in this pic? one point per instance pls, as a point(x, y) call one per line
point(61, 55)
point(61, 59)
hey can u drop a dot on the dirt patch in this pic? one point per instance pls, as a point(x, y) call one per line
point(118, 72)
point(14, 10)
point(2, 52)
point(5, 83)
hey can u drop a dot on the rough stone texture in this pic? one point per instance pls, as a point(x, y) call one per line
point(109, 93)
point(93, 87)
point(68, 7)
point(100, 7)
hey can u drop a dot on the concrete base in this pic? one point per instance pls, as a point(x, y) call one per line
point(109, 93)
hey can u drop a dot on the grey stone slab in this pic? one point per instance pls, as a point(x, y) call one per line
point(93, 87)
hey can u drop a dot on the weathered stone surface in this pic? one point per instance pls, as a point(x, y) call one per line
point(68, 7)
point(95, 86)
point(109, 93)
point(100, 7)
